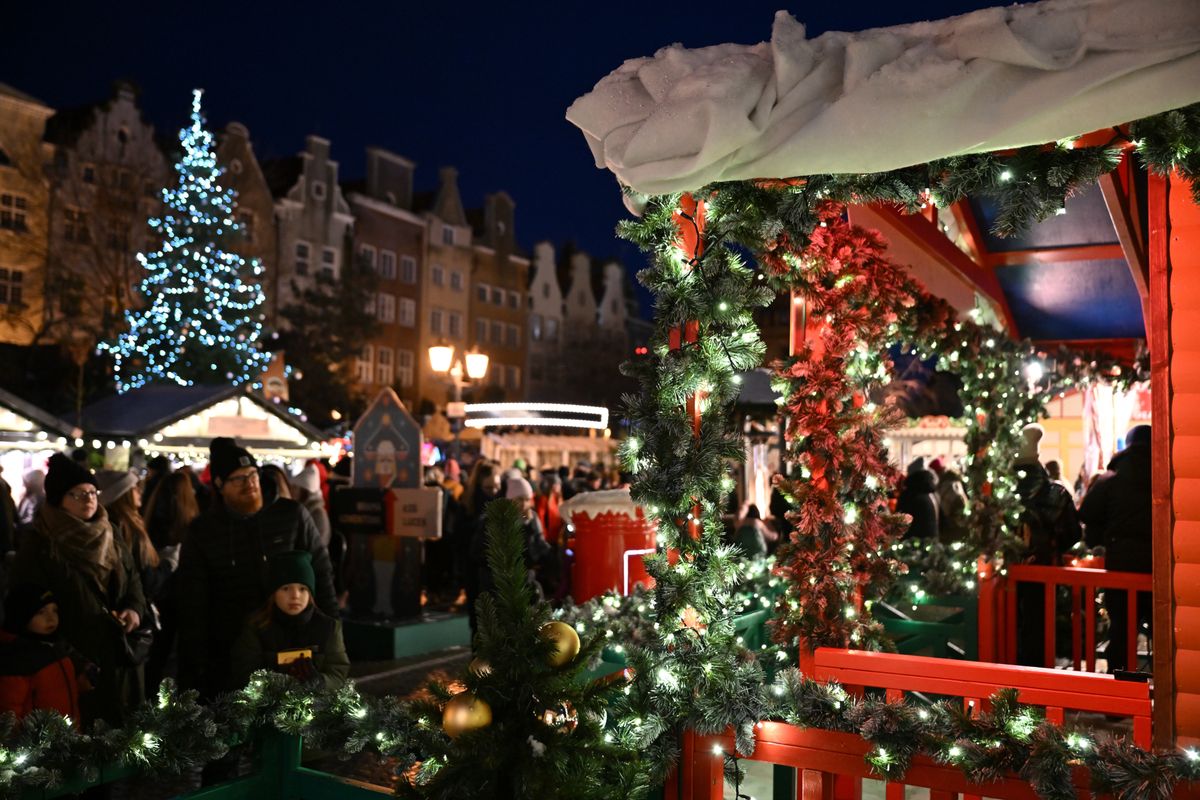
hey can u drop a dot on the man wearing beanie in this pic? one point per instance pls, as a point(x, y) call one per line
point(1117, 513)
point(224, 569)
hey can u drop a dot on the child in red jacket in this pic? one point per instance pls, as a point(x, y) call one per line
point(35, 668)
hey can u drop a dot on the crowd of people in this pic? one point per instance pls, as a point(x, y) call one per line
point(1110, 515)
point(115, 580)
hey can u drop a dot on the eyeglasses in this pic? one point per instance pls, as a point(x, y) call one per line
point(242, 480)
point(83, 495)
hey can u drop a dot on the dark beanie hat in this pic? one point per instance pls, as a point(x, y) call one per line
point(62, 475)
point(1138, 435)
point(294, 566)
point(225, 456)
point(22, 603)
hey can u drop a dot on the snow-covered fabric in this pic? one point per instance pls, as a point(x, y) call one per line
point(890, 97)
point(593, 504)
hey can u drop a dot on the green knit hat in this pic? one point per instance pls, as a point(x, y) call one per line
point(293, 567)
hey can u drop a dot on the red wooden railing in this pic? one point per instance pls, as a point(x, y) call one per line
point(998, 610)
point(1055, 691)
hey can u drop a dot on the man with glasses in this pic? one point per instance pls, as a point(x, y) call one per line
point(223, 566)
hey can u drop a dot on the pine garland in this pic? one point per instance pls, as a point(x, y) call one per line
point(692, 674)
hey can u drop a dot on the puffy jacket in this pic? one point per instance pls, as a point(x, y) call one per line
point(1117, 511)
point(223, 577)
point(36, 674)
point(258, 647)
point(85, 621)
point(919, 501)
point(1048, 516)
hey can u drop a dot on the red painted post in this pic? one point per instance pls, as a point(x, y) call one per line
point(1050, 591)
point(816, 785)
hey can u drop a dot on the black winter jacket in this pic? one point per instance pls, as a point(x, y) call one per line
point(1048, 517)
point(1117, 511)
point(919, 500)
point(223, 577)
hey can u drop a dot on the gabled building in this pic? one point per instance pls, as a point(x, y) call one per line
point(544, 366)
point(107, 176)
point(446, 282)
point(391, 239)
point(499, 308)
point(255, 206)
point(314, 223)
point(24, 219)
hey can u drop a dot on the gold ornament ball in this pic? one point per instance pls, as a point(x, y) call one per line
point(565, 640)
point(561, 717)
point(479, 667)
point(465, 712)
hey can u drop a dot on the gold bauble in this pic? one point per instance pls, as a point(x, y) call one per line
point(560, 716)
point(479, 667)
point(465, 712)
point(565, 640)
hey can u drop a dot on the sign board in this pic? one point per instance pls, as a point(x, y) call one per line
point(415, 513)
point(387, 446)
point(239, 427)
point(358, 510)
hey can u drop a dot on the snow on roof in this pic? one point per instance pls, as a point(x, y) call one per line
point(887, 98)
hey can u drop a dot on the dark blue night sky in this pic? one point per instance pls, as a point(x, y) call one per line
point(480, 86)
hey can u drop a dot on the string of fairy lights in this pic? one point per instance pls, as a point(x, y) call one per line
point(202, 321)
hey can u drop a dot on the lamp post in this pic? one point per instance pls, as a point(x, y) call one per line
point(442, 361)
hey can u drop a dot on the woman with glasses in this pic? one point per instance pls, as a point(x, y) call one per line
point(72, 552)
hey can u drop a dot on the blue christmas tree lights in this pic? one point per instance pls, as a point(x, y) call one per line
point(201, 322)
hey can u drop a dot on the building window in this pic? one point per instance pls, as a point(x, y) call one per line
point(435, 321)
point(329, 262)
point(546, 291)
point(512, 335)
point(497, 332)
point(404, 367)
point(385, 311)
point(408, 269)
point(366, 254)
point(385, 370)
point(481, 292)
point(456, 281)
point(481, 329)
point(456, 325)
point(89, 173)
point(13, 208)
point(11, 282)
point(387, 265)
point(438, 275)
point(362, 367)
point(551, 329)
point(245, 221)
point(302, 256)
point(535, 327)
point(76, 222)
point(318, 190)
point(408, 312)
point(447, 235)
point(514, 377)
point(514, 300)
point(369, 307)
point(497, 375)
point(497, 296)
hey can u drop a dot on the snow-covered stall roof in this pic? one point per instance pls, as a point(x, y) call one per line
point(887, 98)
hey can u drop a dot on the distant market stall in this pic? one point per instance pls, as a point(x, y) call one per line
point(29, 436)
point(180, 421)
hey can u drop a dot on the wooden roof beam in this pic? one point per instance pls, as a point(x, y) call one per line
point(1120, 195)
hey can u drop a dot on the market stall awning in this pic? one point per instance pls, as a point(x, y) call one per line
point(24, 426)
point(888, 98)
point(182, 420)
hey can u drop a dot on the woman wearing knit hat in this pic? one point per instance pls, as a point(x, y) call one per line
point(290, 634)
point(73, 553)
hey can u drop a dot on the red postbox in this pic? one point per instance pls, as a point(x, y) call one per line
point(611, 535)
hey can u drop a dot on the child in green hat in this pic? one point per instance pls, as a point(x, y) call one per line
point(290, 634)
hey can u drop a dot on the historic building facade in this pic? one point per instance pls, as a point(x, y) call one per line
point(24, 215)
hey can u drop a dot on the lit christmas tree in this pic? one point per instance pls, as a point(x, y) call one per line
point(201, 323)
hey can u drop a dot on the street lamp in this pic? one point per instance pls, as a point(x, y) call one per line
point(443, 362)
